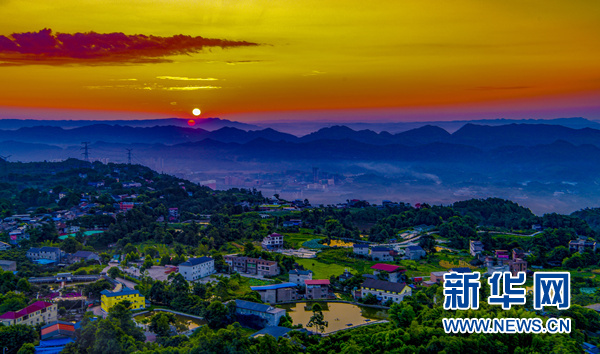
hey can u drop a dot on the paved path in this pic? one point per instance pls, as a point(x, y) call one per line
point(510, 234)
point(131, 285)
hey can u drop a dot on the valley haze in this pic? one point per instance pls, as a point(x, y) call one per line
point(546, 165)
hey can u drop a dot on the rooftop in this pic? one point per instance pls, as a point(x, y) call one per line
point(273, 286)
point(360, 245)
point(36, 306)
point(414, 248)
point(383, 285)
point(120, 293)
point(253, 306)
point(380, 249)
point(274, 331)
point(300, 272)
point(387, 267)
point(317, 282)
point(195, 261)
point(461, 270)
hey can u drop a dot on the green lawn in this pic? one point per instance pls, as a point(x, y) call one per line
point(321, 270)
point(296, 239)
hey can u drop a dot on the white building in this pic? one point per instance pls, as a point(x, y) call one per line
point(273, 242)
point(196, 268)
point(299, 276)
point(385, 290)
point(361, 248)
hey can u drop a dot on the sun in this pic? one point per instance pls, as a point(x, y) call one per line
point(196, 112)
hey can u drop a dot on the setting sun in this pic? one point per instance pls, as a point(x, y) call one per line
point(196, 111)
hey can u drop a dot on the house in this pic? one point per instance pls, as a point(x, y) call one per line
point(8, 266)
point(299, 276)
point(275, 293)
point(318, 289)
point(273, 242)
point(37, 313)
point(275, 331)
point(582, 246)
point(58, 329)
point(46, 253)
point(196, 268)
point(499, 268)
point(517, 266)
point(269, 315)
point(380, 253)
point(414, 252)
point(437, 277)
point(475, 247)
point(501, 254)
point(518, 253)
point(124, 206)
point(84, 256)
point(393, 272)
point(109, 299)
point(252, 265)
point(385, 290)
point(293, 223)
point(361, 249)
point(461, 270)
point(4, 246)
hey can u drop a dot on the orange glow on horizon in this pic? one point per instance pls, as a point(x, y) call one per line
point(321, 55)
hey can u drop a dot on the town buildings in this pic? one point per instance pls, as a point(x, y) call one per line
point(272, 242)
point(196, 268)
point(475, 247)
point(299, 276)
point(318, 289)
point(379, 253)
point(275, 293)
point(53, 254)
point(252, 265)
point(109, 299)
point(269, 315)
point(361, 249)
point(385, 290)
point(36, 313)
point(392, 272)
point(8, 266)
point(582, 246)
point(414, 252)
point(4, 246)
point(84, 256)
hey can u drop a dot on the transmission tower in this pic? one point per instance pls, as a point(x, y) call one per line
point(86, 151)
point(129, 156)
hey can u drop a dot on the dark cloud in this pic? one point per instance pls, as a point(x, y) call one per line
point(91, 48)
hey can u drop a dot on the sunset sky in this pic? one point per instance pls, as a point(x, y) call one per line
point(360, 60)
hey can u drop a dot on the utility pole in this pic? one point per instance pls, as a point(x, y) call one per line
point(85, 153)
point(129, 156)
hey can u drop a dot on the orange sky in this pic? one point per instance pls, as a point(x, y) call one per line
point(413, 58)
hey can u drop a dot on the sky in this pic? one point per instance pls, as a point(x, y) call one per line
point(253, 60)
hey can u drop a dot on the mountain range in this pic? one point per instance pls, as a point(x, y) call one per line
point(479, 136)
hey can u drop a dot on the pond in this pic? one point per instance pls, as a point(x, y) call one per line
point(339, 315)
point(192, 323)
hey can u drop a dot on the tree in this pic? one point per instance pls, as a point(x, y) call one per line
point(401, 314)
point(70, 245)
point(115, 272)
point(317, 320)
point(23, 285)
point(15, 336)
point(427, 242)
point(217, 315)
point(27, 348)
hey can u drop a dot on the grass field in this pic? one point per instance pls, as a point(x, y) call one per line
point(298, 238)
point(321, 270)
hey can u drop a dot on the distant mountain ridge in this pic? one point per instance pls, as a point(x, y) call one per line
point(480, 136)
point(204, 123)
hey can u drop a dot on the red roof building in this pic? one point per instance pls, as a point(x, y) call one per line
point(318, 289)
point(38, 312)
point(393, 271)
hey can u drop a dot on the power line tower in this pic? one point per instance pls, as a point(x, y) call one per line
point(86, 151)
point(129, 156)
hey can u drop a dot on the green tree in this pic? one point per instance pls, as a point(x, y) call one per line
point(317, 319)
